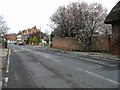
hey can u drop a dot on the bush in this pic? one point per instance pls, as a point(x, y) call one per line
point(4, 44)
point(84, 49)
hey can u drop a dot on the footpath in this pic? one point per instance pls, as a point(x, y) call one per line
point(105, 59)
point(3, 63)
point(93, 55)
point(3, 57)
point(97, 55)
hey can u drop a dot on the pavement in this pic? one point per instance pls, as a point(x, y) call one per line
point(95, 55)
point(104, 59)
point(3, 58)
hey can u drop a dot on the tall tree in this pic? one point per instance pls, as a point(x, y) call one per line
point(3, 26)
point(81, 20)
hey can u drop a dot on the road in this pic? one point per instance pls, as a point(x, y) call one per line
point(38, 67)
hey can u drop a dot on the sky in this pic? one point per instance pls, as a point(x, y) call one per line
point(24, 14)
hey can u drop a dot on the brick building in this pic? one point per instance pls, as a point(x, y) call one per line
point(114, 19)
point(23, 35)
point(11, 38)
point(33, 30)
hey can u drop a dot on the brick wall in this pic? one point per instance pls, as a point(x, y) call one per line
point(66, 43)
point(71, 44)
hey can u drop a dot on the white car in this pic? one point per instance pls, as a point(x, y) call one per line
point(20, 43)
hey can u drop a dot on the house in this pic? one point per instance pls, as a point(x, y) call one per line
point(20, 37)
point(33, 30)
point(114, 19)
point(11, 38)
point(25, 36)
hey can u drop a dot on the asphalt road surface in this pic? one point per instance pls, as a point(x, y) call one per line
point(38, 67)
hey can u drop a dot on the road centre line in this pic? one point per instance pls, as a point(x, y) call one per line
point(98, 76)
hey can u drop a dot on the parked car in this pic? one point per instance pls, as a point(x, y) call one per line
point(20, 43)
point(15, 43)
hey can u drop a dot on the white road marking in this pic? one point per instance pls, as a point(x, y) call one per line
point(34, 52)
point(0, 83)
point(8, 63)
point(6, 79)
point(113, 65)
point(99, 76)
point(55, 59)
point(7, 70)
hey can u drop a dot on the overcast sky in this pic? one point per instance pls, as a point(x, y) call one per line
point(23, 14)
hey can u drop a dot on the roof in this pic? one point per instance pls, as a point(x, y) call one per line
point(114, 15)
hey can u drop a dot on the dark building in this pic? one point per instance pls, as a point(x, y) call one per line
point(114, 19)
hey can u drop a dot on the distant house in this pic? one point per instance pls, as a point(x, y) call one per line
point(25, 36)
point(114, 19)
point(11, 38)
point(33, 31)
point(19, 37)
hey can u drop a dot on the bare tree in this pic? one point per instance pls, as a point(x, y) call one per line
point(3, 26)
point(60, 24)
point(81, 20)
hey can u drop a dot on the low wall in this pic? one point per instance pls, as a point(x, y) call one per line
point(65, 43)
point(71, 44)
